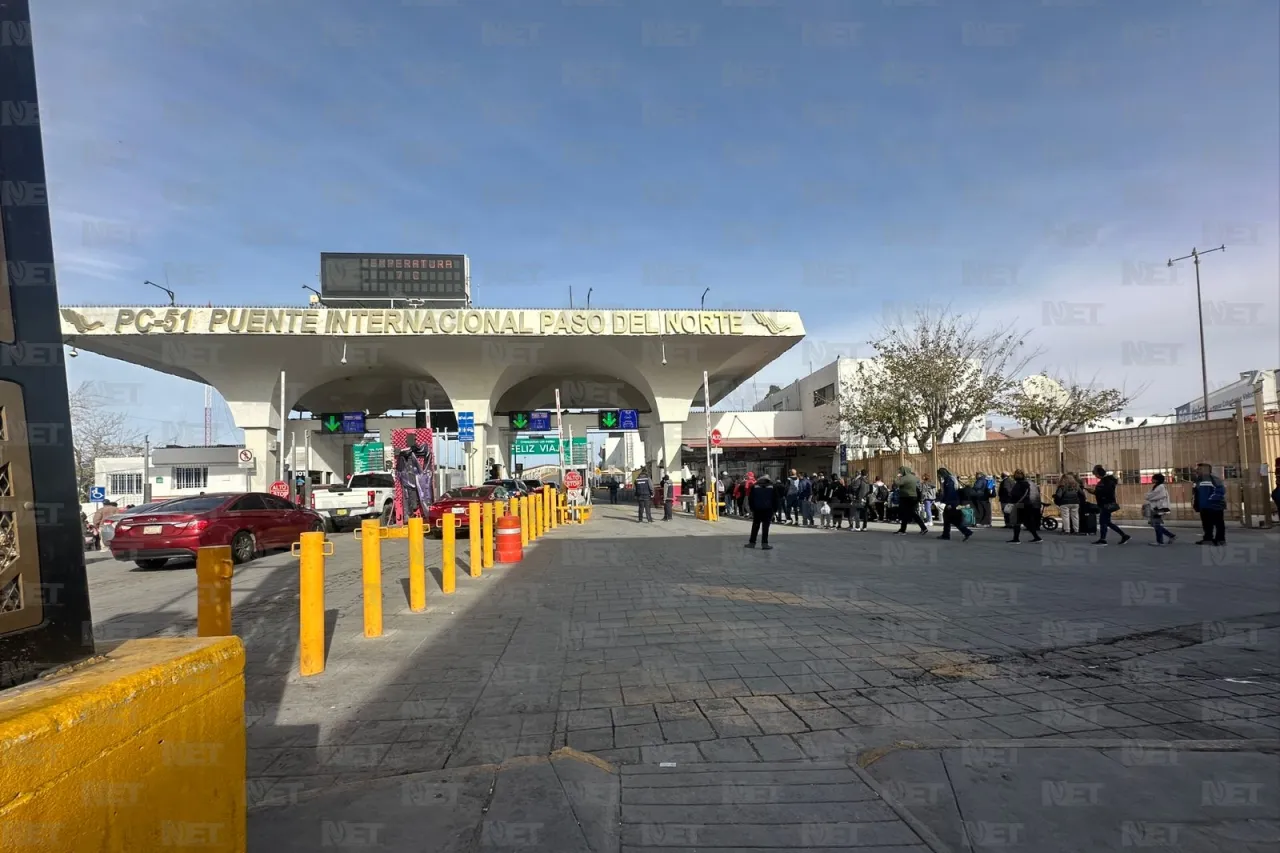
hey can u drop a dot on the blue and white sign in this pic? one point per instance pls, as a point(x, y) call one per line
point(628, 419)
point(97, 494)
point(539, 422)
point(353, 422)
point(466, 426)
point(844, 454)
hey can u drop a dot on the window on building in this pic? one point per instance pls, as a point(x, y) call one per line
point(191, 478)
point(824, 396)
point(124, 484)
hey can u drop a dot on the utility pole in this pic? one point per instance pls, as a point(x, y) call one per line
point(1204, 369)
point(146, 469)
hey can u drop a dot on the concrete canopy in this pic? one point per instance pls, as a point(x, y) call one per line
point(479, 360)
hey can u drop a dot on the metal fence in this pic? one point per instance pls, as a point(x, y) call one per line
point(1243, 451)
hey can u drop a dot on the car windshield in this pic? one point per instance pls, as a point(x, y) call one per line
point(204, 503)
point(473, 492)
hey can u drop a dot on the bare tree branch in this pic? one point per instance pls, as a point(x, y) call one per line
point(97, 432)
point(1078, 407)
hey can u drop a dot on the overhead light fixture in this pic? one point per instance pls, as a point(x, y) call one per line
point(74, 352)
point(344, 353)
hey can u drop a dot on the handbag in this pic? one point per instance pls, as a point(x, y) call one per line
point(1112, 507)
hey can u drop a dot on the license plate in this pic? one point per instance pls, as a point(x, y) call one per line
point(458, 510)
point(340, 512)
point(152, 529)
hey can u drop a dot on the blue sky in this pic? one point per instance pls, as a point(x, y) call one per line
point(842, 159)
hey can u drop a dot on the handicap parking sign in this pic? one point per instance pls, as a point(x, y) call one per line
point(97, 494)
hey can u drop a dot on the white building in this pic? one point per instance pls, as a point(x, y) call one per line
point(816, 397)
point(174, 472)
point(1222, 401)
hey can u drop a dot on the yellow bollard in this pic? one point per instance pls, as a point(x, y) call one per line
point(371, 549)
point(524, 522)
point(417, 566)
point(490, 509)
point(448, 559)
point(514, 508)
point(474, 530)
point(546, 509)
point(213, 591)
point(535, 515)
point(311, 550)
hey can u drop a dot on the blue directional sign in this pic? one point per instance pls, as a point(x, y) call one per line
point(844, 454)
point(466, 426)
point(628, 419)
point(539, 422)
point(97, 494)
point(353, 422)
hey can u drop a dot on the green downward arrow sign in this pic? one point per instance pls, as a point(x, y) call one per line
point(520, 420)
point(332, 423)
point(609, 419)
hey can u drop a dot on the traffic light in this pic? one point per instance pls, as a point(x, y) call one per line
point(608, 419)
point(518, 420)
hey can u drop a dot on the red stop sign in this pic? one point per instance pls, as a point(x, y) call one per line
point(572, 480)
point(280, 489)
point(715, 438)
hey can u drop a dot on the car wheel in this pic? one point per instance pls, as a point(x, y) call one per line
point(243, 548)
point(153, 563)
point(319, 526)
point(328, 525)
point(388, 510)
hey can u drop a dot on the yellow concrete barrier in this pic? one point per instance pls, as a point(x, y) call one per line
point(141, 750)
point(524, 522)
point(474, 533)
point(417, 566)
point(448, 558)
point(534, 514)
point(213, 591)
point(311, 549)
point(490, 509)
point(371, 552)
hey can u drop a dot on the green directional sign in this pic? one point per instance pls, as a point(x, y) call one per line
point(519, 420)
point(331, 424)
point(531, 446)
point(609, 419)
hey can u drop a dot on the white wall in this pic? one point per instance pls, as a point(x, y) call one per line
point(222, 478)
point(764, 425)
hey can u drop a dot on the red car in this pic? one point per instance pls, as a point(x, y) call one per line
point(250, 523)
point(457, 503)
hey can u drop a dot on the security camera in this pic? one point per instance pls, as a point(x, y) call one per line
point(74, 352)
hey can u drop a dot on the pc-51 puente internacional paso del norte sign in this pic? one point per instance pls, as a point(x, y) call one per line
point(420, 321)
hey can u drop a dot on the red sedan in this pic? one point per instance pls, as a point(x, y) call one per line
point(456, 502)
point(250, 523)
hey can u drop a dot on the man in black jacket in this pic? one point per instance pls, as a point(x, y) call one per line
point(644, 498)
point(763, 501)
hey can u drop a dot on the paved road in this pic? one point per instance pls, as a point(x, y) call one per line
point(671, 652)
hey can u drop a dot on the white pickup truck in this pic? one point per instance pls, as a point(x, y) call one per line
point(363, 496)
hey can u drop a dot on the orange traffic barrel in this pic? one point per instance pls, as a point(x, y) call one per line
point(507, 540)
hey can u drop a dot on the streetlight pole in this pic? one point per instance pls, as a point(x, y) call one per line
point(173, 300)
point(1204, 369)
point(702, 303)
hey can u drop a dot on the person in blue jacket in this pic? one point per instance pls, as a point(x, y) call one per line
point(952, 516)
point(1209, 498)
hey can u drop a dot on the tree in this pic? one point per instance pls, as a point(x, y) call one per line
point(97, 432)
point(1056, 407)
point(935, 375)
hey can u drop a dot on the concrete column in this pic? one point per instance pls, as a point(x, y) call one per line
point(672, 438)
point(266, 462)
point(477, 471)
point(500, 442)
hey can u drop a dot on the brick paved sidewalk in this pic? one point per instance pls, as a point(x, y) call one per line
point(659, 643)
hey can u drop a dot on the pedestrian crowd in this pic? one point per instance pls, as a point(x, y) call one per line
point(911, 500)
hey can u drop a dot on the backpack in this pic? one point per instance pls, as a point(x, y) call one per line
point(793, 488)
point(989, 487)
point(1033, 493)
point(881, 493)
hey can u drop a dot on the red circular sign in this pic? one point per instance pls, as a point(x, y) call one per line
point(280, 489)
point(715, 438)
point(572, 480)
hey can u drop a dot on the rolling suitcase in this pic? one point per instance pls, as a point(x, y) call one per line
point(966, 512)
point(1088, 521)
